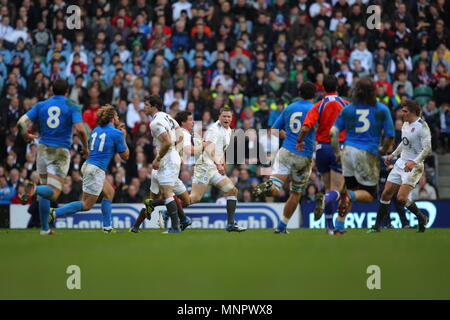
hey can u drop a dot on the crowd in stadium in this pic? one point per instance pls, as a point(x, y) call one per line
point(201, 55)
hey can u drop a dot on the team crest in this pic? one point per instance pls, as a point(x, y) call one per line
point(412, 130)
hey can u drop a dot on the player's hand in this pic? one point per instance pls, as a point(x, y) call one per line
point(300, 146)
point(388, 159)
point(85, 152)
point(338, 156)
point(409, 166)
point(220, 168)
point(29, 138)
point(121, 127)
point(155, 164)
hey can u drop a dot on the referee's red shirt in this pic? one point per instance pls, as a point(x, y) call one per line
point(325, 112)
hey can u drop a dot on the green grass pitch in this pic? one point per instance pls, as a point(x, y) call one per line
point(215, 264)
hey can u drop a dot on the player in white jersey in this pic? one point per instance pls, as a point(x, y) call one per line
point(414, 148)
point(164, 131)
point(210, 167)
point(187, 150)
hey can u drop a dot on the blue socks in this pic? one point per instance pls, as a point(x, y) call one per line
point(70, 208)
point(352, 195)
point(331, 198)
point(281, 226)
point(45, 191)
point(44, 212)
point(106, 213)
point(340, 225)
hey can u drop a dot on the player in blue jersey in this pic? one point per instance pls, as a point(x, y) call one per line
point(56, 117)
point(365, 121)
point(106, 140)
point(289, 162)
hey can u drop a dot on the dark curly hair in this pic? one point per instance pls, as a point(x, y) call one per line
point(365, 92)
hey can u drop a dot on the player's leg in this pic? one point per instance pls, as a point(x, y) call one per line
point(171, 206)
point(198, 189)
point(300, 172)
point(200, 182)
point(280, 173)
point(183, 200)
point(402, 195)
point(108, 196)
point(230, 192)
point(86, 203)
point(401, 213)
point(150, 203)
point(390, 189)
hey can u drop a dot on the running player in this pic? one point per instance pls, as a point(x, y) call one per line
point(210, 167)
point(56, 116)
point(365, 121)
point(187, 150)
point(107, 139)
point(289, 162)
point(414, 148)
point(324, 113)
point(163, 129)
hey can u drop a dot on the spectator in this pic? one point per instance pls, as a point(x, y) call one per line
point(7, 192)
point(423, 190)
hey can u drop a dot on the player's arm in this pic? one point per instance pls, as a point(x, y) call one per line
point(334, 139)
point(166, 143)
point(279, 125)
point(389, 132)
point(124, 155)
point(22, 125)
point(81, 131)
point(394, 154)
point(310, 121)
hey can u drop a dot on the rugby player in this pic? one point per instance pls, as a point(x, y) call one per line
point(365, 121)
point(289, 162)
point(324, 114)
point(210, 167)
point(414, 148)
point(163, 129)
point(107, 139)
point(186, 123)
point(56, 116)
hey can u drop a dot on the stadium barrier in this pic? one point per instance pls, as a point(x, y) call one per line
point(250, 215)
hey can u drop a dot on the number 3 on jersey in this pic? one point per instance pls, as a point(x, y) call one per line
point(294, 122)
point(362, 118)
point(53, 117)
point(102, 141)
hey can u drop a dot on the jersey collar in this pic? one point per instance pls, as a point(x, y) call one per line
point(330, 94)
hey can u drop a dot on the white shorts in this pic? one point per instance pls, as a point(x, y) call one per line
point(52, 160)
point(169, 169)
point(178, 189)
point(207, 174)
point(93, 179)
point(399, 176)
point(362, 165)
point(293, 165)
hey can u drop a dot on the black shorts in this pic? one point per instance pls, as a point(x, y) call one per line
point(352, 184)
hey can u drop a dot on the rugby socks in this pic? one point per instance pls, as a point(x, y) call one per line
point(420, 216)
point(70, 208)
point(340, 225)
point(172, 212)
point(106, 213)
point(331, 204)
point(231, 209)
point(44, 212)
point(158, 202)
point(352, 195)
point(180, 210)
point(45, 191)
point(383, 210)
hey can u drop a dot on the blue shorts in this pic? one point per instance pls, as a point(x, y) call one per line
point(325, 158)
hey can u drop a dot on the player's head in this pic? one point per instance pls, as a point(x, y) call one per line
point(185, 120)
point(410, 110)
point(365, 92)
point(153, 104)
point(106, 115)
point(60, 87)
point(330, 83)
point(307, 90)
point(225, 116)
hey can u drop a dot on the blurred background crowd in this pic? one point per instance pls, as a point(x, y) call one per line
point(201, 55)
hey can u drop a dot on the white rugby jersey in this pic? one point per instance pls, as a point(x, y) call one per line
point(220, 137)
point(416, 143)
point(161, 123)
